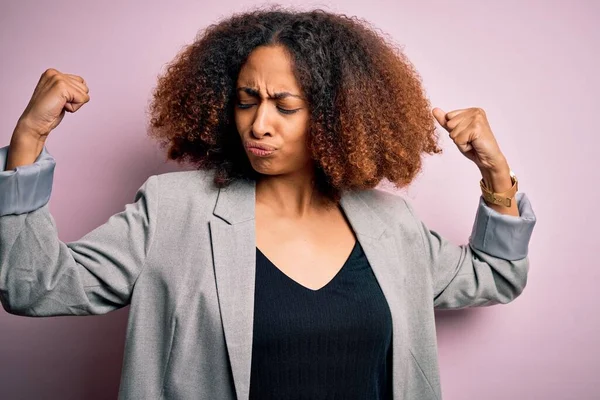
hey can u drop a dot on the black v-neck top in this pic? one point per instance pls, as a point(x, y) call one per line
point(331, 343)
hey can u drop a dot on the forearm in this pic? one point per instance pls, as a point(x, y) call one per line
point(499, 181)
point(25, 147)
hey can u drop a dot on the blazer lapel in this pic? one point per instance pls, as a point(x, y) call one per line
point(234, 251)
point(381, 250)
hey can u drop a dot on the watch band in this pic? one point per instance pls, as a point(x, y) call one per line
point(503, 199)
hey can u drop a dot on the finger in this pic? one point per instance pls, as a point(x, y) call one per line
point(46, 80)
point(464, 147)
point(440, 116)
point(454, 113)
point(463, 141)
point(75, 106)
point(463, 125)
point(76, 98)
point(76, 77)
point(70, 107)
point(78, 91)
point(462, 118)
point(79, 83)
point(48, 75)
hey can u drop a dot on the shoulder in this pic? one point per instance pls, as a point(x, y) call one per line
point(397, 213)
point(393, 210)
point(186, 180)
point(388, 204)
point(181, 187)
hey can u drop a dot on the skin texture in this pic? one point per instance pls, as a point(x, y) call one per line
point(357, 114)
point(470, 131)
point(361, 117)
point(296, 228)
point(369, 118)
point(55, 94)
point(287, 174)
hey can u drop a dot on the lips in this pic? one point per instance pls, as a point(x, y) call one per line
point(260, 146)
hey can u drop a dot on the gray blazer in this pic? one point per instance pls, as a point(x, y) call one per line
point(182, 255)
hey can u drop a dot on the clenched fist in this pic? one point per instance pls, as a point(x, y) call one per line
point(54, 94)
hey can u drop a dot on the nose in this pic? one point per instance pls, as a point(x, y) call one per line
point(262, 121)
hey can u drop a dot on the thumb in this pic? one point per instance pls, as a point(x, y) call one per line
point(440, 116)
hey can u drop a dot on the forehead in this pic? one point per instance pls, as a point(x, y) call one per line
point(268, 68)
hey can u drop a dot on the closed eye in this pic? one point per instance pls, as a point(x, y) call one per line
point(282, 110)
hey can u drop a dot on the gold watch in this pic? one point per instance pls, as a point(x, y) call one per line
point(503, 199)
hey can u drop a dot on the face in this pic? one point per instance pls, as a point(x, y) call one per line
point(271, 113)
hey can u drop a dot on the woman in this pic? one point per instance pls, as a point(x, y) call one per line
point(276, 269)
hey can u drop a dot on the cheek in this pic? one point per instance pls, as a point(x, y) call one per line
point(238, 121)
point(297, 142)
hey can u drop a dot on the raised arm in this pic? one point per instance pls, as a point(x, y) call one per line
point(491, 269)
point(39, 274)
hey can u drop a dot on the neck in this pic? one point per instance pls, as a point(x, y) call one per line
point(292, 195)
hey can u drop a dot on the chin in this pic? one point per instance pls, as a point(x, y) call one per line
point(266, 171)
point(269, 168)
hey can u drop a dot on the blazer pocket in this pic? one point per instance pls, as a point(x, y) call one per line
point(166, 369)
point(425, 387)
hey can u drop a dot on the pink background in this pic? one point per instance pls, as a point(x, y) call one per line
point(532, 65)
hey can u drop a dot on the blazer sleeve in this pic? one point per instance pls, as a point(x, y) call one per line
point(491, 268)
point(42, 276)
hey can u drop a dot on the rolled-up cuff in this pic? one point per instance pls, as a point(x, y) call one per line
point(500, 235)
point(27, 187)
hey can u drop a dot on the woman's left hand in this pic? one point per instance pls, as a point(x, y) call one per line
point(471, 132)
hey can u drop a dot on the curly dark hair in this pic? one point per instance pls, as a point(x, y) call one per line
point(369, 116)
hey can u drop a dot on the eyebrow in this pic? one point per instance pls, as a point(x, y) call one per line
point(275, 96)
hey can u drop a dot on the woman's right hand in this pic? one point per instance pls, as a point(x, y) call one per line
point(54, 94)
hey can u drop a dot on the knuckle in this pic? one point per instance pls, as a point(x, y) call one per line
point(57, 78)
point(60, 84)
point(50, 72)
